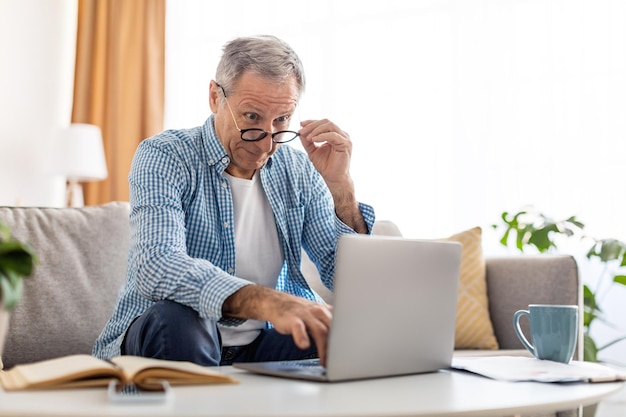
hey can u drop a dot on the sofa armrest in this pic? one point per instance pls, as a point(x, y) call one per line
point(514, 282)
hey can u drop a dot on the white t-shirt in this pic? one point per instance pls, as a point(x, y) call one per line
point(259, 255)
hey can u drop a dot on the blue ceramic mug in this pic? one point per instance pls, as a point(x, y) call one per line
point(553, 331)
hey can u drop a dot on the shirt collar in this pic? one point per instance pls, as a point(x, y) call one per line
point(215, 152)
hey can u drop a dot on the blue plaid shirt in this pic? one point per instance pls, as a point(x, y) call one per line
point(182, 236)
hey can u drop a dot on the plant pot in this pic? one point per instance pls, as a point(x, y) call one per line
point(4, 329)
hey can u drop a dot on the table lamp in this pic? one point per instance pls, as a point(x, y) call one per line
point(82, 159)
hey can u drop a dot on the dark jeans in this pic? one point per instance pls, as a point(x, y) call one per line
point(168, 330)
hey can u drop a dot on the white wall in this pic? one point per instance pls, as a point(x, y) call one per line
point(37, 49)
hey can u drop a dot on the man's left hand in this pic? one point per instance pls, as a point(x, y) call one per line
point(330, 150)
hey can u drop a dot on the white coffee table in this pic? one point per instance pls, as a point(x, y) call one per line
point(438, 394)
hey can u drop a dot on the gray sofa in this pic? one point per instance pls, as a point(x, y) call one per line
point(83, 253)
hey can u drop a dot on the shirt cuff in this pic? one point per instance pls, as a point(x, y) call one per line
point(215, 293)
point(369, 217)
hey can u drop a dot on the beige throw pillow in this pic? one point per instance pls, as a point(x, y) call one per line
point(474, 329)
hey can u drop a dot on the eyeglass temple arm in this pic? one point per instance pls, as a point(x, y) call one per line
point(220, 86)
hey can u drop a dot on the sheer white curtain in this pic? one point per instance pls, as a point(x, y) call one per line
point(458, 109)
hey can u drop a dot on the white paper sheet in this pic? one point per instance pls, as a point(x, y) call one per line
point(514, 368)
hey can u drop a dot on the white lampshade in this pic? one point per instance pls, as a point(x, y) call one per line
point(82, 153)
point(80, 159)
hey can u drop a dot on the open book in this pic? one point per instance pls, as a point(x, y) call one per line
point(87, 371)
point(518, 368)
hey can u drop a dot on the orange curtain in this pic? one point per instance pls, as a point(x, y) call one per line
point(119, 82)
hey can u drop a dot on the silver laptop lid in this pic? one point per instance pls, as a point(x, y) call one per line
point(395, 306)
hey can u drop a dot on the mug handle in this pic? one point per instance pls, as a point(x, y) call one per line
point(518, 330)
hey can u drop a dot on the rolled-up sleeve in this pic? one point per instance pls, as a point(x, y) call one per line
point(161, 181)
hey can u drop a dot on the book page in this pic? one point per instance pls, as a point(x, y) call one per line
point(141, 370)
point(59, 372)
point(516, 368)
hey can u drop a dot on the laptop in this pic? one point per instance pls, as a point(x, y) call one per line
point(394, 311)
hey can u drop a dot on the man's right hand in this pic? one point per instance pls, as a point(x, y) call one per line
point(289, 314)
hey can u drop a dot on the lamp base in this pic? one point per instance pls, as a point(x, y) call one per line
point(74, 194)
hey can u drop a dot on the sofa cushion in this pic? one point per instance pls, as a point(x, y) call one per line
point(82, 264)
point(474, 329)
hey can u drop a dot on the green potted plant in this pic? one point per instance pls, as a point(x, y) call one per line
point(16, 262)
point(532, 228)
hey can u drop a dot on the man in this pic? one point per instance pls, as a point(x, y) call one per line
point(219, 215)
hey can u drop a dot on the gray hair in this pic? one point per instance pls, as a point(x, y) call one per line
point(266, 56)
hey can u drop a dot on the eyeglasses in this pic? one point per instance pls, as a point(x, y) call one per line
point(256, 134)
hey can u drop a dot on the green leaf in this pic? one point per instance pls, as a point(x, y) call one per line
point(590, 350)
point(607, 250)
point(541, 240)
point(533, 228)
point(589, 298)
point(11, 288)
point(575, 222)
point(520, 241)
point(16, 257)
point(620, 279)
point(592, 309)
point(16, 262)
point(505, 238)
point(588, 318)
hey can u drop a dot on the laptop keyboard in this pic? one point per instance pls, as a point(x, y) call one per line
point(309, 366)
point(305, 363)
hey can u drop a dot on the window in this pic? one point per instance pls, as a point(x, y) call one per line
point(458, 109)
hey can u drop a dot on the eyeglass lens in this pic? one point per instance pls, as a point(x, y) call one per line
point(283, 136)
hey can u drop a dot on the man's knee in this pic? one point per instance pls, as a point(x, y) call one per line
point(167, 310)
point(169, 330)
